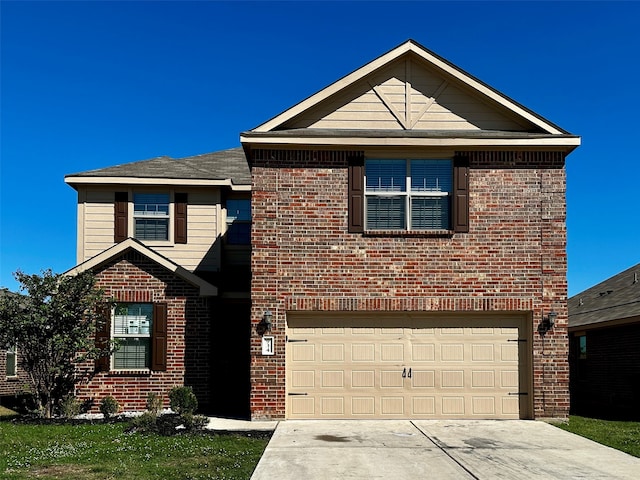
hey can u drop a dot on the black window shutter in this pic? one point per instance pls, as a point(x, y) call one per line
point(460, 194)
point(121, 209)
point(159, 338)
point(180, 212)
point(103, 335)
point(356, 194)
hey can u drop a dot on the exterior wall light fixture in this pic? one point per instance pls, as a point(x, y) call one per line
point(266, 322)
point(547, 322)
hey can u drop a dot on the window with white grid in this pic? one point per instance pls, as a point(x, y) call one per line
point(151, 216)
point(408, 194)
point(131, 328)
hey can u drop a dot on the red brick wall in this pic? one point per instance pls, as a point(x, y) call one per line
point(12, 386)
point(134, 278)
point(512, 259)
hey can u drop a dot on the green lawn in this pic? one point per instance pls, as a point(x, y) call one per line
point(624, 436)
point(107, 451)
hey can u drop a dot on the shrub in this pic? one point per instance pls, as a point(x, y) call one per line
point(109, 406)
point(194, 422)
point(183, 400)
point(145, 422)
point(154, 403)
point(70, 407)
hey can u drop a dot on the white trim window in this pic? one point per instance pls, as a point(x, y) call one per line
point(408, 194)
point(151, 216)
point(131, 329)
point(12, 361)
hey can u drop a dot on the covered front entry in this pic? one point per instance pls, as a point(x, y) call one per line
point(407, 365)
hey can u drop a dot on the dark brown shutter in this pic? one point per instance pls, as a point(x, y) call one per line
point(121, 217)
point(180, 212)
point(461, 194)
point(159, 337)
point(356, 194)
point(103, 336)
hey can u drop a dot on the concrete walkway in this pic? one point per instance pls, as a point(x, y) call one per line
point(433, 449)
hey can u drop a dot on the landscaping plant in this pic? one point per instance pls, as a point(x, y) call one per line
point(52, 323)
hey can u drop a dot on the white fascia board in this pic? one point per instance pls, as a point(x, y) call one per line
point(206, 289)
point(563, 142)
point(182, 182)
point(389, 57)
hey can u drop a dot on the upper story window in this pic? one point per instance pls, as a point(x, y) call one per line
point(151, 216)
point(239, 221)
point(408, 194)
point(12, 361)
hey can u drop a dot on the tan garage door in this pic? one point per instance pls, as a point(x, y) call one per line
point(406, 366)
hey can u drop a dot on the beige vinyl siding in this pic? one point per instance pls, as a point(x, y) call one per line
point(98, 225)
point(383, 100)
point(202, 250)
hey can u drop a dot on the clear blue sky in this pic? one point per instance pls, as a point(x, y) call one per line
point(87, 85)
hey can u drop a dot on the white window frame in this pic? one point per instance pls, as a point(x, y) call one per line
point(134, 334)
point(11, 350)
point(408, 194)
point(147, 215)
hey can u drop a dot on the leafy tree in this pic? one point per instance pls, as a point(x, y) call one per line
point(53, 325)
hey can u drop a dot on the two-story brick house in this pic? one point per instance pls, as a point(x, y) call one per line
point(407, 255)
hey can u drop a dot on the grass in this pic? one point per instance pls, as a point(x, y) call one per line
point(107, 451)
point(624, 436)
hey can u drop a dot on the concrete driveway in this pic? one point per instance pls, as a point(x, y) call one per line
point(424, 449)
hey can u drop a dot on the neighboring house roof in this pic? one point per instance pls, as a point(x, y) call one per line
point(225, 167)
point(206, 289)
point(616, 300)
point(412, 97)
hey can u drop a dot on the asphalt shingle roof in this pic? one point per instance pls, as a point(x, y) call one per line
point(614, 299)
point(225, 164)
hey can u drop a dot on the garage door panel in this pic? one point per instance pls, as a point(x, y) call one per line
point(392, 352)
point(414, 368)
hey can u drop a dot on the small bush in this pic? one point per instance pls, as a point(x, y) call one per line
point(183, 400)
point(70, 407)
point(154, 403)
point(194, 422)
point(144, 423)
point(109, 406)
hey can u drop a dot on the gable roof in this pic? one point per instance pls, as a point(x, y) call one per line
point(206, 289)
point(225, 167)
point(613, 300)
point(406, 91)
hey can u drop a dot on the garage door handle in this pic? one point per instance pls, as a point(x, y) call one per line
point(404, 373)
point(519, 393)
point(292, 393)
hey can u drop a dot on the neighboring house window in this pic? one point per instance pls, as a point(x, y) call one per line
point(12, 361)
point(238, 221)
point(408, 194)
point(151, 216)
point(582, 347)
